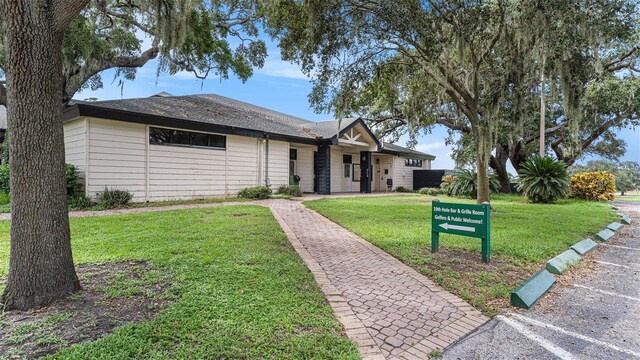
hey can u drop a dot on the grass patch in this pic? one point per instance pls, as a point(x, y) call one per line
point(523, 236)
point(6, 207)
point(241, 290)
point(630, 198)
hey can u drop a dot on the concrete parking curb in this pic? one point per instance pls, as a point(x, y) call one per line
point(614, 226)
point(604, 234)
point(562, 262)
point(584, 247)
point(536, 286)
point(532, 290)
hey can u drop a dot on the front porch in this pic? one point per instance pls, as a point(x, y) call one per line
point(348, 164)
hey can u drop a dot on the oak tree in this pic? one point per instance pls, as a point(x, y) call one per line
point(53, 48)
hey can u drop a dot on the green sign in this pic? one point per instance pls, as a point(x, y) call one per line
point(461, 219)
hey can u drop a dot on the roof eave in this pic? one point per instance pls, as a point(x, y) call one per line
point(408, 154)
point(84, 109)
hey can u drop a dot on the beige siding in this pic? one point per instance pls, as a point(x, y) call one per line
point(185, 172)
point(304, 169)
point(117, 157)
point(278, 163)
point(336, 170)
point(339, 183)
point(121, 158)
point(242, 163)
point(75, 140)
point(404, 174)
point(348, 185)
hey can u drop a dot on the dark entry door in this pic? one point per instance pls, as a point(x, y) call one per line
point(315, 171)
point(366, 170)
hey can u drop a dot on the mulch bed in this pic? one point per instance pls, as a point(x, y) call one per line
point(112, 295)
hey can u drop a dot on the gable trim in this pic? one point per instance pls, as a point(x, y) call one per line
point(335, 138)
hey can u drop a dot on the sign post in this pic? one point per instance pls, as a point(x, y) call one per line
point(472, 220)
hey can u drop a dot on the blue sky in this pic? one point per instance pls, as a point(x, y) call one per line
point(279, 86)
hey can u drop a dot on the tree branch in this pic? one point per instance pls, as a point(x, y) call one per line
point(547, 131)
point(86, 72)
point(65, 11)
point(616, 64)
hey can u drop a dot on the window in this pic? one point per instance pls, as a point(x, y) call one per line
point(160, 136)
point(347, 170)
point(413, 162)
point(347, 159)
point(356, 172)
point(293, 154)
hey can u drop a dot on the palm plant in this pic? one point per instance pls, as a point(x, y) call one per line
point(543, 179)
point(465, 183)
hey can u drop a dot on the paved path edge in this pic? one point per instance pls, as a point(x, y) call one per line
point(442, 339)
point(354, 329)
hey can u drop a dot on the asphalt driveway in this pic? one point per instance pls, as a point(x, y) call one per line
point(593, 313)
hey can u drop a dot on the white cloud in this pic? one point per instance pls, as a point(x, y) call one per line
point(430, 146)
point(283, 69)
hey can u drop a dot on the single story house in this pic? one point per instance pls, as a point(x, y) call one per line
point(168, 147)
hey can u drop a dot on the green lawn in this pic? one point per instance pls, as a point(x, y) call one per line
point(523, 236)
point(5, 206)
point(242, 291)
point(628, 197)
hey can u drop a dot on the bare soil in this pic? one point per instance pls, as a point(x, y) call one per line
point(465, 268)
point(112, 295)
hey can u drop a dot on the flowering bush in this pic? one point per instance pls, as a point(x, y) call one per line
point(594, 186)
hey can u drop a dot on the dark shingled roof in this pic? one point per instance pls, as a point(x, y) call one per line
point(211, 109)
point(327, 129)
point(222, 111)
point(399, 150)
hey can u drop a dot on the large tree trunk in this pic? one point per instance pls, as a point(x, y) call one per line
point(517, 161)
point(483, 149)
point(40, 266)
point(499, 164)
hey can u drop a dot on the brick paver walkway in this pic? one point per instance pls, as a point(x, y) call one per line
point(387, 308)
point(390, 310)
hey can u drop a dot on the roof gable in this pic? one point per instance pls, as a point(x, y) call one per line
point(215, 113)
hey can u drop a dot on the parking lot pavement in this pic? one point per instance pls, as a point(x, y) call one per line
point(594, 316)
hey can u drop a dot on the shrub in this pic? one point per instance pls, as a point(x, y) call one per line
point(543, 179)
point(79, 202)
point(430, 191)
point(113, 198)
point(403, 189)
point(257, 192)
point(4, 179)
point(465, 183)
point(445, 186)
point(593, 186)
point(73, 183)
point(4, 199)
point(291, 190)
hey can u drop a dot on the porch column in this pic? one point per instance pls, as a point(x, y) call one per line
point(365, 172)
point(324, 169)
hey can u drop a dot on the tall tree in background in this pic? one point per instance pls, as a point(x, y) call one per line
point(474, 67)
point(53, 48)
point(419, 62)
